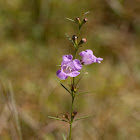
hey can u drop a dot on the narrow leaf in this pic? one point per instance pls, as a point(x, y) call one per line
point(83, 117)
point(86, 13)
point(63, 86)
point(84, 93)
point(81, 77)
point(64, 138)
point(70, 19)
point(70, 40)
point(57, 118)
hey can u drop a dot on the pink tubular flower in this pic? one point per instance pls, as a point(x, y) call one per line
point(69, 67)
point(89, 58)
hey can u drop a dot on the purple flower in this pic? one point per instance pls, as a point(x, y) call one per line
point(69, 67)
point(89, 58)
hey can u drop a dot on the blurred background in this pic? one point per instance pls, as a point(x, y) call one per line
point(32, 42)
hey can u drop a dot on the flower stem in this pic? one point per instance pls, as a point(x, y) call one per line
point(79, 32)
point(71, 116)
point(71, 121)
point(73, 92)
point(76, 49)
point(70, 132)
point(72, 104)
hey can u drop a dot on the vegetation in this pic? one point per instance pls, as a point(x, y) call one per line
point(32, 39)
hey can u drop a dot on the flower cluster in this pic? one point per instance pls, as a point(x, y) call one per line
point(71, 68)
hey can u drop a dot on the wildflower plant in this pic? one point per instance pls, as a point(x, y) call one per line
point(71, 67)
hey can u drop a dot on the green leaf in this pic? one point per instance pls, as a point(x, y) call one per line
point(57, 118)
point(63, 86)
point(70, 40)
point(70, 19)
point(83, 117)
point(64, 138)
point(84, 93)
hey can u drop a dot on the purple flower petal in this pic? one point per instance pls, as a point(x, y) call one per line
point(77, 64)
point(98, 60)
point(61, 75)
point(89, 52)
point(73, 74)
point(82, 54)
point(89, 58)
point(69, 67)
point(67, 58)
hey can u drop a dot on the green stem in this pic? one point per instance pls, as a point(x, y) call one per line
point(72, 108)
point(79, 32)
point(71, 115)
point(73, 92)
point(76, 49)
point(73, 80)
point(70, 131)
point(76, 52)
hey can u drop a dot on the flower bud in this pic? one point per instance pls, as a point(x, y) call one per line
point(66, 116)
point(81, 23)
point(74, 113)
point(74, 38)
point(82, 41)
point(78, 20)
point(84, 20)
point(73, 88)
